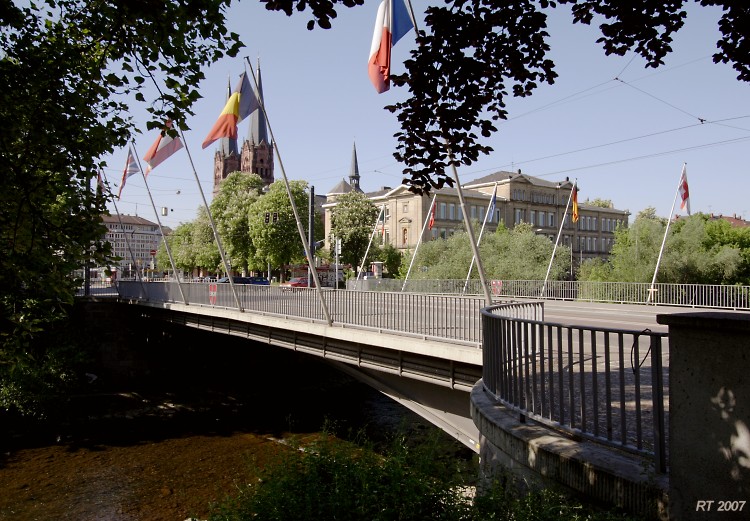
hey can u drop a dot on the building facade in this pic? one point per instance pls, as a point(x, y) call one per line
point(134, 241)
point(519, 199)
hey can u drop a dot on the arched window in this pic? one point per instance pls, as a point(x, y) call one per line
point(404, 237)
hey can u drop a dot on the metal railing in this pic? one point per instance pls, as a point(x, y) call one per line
point(437, 317)
point(607, 385)
point(692, 295)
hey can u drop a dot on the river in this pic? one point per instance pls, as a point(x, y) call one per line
point(185, 432)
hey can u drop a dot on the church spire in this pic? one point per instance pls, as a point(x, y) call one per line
point(258, 131)
point(354, 172)
point(228, 145)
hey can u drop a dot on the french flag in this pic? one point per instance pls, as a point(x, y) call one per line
point(392, 22)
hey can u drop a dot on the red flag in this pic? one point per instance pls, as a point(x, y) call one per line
point(163, 147)
point(575, 203)
point(392, 22)
point(131, 167)
point(240, 104)
point(432, 215)
point(683, 191)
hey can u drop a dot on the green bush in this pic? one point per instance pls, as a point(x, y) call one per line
point(335, 480)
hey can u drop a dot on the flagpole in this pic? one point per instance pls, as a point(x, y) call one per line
point(651, 289)
point(158, 222)
point(127, 242)
point(557, 241)
point(300, 229)
point(491, 207)
point(211, 223)
point(372, 236)
point(411, 263)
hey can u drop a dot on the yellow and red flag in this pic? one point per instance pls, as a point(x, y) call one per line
point(241, 103)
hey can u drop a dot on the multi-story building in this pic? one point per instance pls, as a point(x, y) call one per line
point(520, 198)
point(134, 240)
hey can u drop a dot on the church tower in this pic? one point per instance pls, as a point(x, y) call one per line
point(256, 154)
point(257, 151)
point(354, 171)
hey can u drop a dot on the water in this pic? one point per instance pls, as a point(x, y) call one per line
point(206, 412)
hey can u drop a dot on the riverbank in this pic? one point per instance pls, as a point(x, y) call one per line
point(189, 435)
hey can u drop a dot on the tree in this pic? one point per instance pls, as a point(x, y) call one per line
point(277, 242)
point(517, 254)
point(65, 67)
point(391, 259)
point(697, 251)
point(181, 245)
point(472, 54)
point(352, 221)
point(231, 210)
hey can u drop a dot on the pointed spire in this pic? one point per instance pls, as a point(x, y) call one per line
point(257, 133)
point(354, 172)
point(228, 146)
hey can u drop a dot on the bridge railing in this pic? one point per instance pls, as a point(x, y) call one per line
point(691, 295)
point(439, 317)
point(607, 385)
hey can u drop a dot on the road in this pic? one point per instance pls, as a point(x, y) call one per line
point(616, 316)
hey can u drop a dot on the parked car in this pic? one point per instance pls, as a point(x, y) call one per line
point(261, 281)
point(296, 282)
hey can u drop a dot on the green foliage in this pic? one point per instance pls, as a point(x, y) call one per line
point(278, 243)
point(335, 480)
point(352, 221)
point(230, 209)
point(698, 250)
point(65, 68)
point(391, 258)
point(517, 254)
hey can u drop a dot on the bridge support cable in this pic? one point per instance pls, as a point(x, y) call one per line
point(300, 228)
point(127, 242)
point(212, 223)
point(161, 230)
point(381, 214)
point(469, 228)
point(416, 249)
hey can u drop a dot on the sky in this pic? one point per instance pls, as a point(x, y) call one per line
point(621, 130)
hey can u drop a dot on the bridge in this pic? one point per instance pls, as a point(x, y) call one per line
point(422, 350)
point(570, 391)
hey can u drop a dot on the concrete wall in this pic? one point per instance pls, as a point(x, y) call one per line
point(537, 456)
point(709, 417)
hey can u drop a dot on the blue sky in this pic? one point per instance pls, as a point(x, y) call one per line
point(622, 130)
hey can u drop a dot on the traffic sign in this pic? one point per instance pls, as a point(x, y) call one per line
point(213, 289)
point(153, 252)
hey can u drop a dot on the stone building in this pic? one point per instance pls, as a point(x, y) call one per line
point(520, 198)
point(256, 154)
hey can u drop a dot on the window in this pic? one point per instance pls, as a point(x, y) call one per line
point(551, 220)
point(517, 216)
point(441, 213)
point(542, 219)
point(473, 212)
point(406, 208)
point(481, 213)
point(434, 233)
point(452, 212)
point(532, 217)
point(460, 213)
point(404, 237)
point(443, 233)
